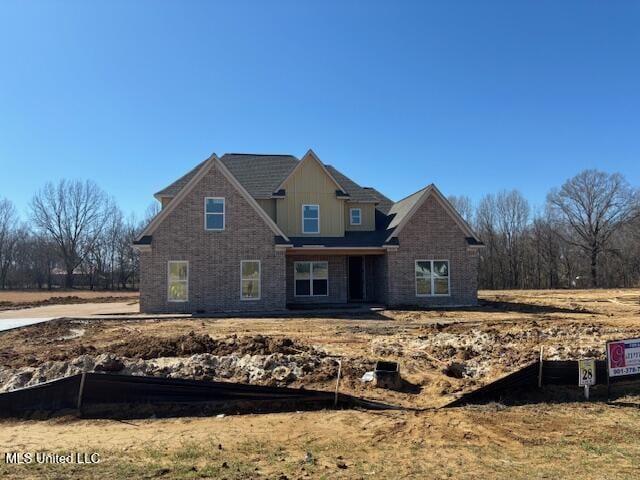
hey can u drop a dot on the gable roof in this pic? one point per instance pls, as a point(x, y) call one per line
point(310, 155)
point(193, 180)
point(260, 176)
point(263, 175)
point(399, 210)
point(402, 211)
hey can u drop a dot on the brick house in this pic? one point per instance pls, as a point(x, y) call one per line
point(257, 233)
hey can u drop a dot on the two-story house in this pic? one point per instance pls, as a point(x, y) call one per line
point(260, 233)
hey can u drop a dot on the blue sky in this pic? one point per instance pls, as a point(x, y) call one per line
point(475, 96)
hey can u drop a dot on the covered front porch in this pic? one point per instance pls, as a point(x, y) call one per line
point(335, 276)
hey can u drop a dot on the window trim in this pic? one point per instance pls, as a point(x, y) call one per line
point(302, 212)
point(169, 299)
point(295, 279)
point(432, 294)
point(224, 214)
point(259, 297)
point(351, 222)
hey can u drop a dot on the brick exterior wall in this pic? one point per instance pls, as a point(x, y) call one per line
point(337, 278)
point(431, 234)
point(214, 256)
point(214, 259)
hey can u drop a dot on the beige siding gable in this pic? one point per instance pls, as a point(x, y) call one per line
point(367, 217)
point(310, 184)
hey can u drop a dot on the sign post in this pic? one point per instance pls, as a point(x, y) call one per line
point(586, 374)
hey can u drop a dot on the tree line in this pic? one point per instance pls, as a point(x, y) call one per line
point(586, 235)
point(74, 235)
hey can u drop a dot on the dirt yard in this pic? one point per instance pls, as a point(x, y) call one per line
point(441, 353)
point(14, 299)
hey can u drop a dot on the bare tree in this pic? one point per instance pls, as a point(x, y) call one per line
point(512, 213)
point(595, 204)
point(486, 226)
point(8, 237)
point(152, 210)
point(73, 214)
point(463, 206)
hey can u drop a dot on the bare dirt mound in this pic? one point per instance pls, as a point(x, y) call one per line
point(64, 300)
point(147, 348)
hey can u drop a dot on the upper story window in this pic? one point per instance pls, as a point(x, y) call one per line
point(214, 213)
point(310, 218)
point(432, 277)
point(178, 281)
point(356, 216)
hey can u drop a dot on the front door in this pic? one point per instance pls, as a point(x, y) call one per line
point(356, 279)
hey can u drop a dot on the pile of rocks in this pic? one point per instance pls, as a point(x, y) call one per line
point(272, 369)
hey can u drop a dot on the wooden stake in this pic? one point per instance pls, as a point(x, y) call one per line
point(586, 392)
point(540, 368)
point(81, 390)
point(338, 381)
point(606, 356)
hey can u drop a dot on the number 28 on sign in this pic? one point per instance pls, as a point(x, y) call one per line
point(586, 374)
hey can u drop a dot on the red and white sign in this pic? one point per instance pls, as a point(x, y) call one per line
point(623, 357)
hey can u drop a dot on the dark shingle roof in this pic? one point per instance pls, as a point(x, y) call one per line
point(262, 174)
point(355, 191)
point(259, 174)
point(350, 239)
point(384, 202)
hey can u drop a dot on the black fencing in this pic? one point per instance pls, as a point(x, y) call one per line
point(126, 396)
point(519, 384)
point(527, 376)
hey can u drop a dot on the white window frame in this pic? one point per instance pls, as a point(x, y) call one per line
point(295, 278)
point(169, 299)
point(224, 214)
point(310, 205)
point(359, 210)
point(249, 299)
point(433, 283)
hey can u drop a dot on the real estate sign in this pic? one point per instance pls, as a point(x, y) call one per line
point(623, 357)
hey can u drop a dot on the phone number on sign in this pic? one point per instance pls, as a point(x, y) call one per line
point(625, 371)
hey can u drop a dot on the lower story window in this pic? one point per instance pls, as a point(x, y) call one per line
point(250, 279)
point(178, 281)
point(432, 277)
point(311, 279)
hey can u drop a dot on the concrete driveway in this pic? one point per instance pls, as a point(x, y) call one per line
point(28, 316)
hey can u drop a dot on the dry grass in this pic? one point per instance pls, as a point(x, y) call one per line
point(11, 299)
point(546, 441)
point(28, 296)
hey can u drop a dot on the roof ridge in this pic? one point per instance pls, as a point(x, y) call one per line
point(262, 154)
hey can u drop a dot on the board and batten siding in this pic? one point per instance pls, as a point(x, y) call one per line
point(309, 184)
point(367, 214)
point(269, 206)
